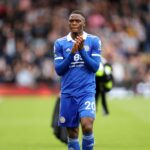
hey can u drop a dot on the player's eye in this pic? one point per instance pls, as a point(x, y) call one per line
point(78, 21)
point(72, 21)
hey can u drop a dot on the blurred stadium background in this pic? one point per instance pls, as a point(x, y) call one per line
point(29, 84)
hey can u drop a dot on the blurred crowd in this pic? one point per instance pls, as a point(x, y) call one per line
point(28, 29)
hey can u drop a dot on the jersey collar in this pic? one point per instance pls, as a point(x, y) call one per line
point(69, 38)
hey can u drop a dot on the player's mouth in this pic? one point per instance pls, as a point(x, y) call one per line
point(74, 29)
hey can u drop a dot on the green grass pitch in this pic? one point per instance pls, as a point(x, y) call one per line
point(25, 124)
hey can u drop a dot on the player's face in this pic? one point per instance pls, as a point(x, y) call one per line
point(76, 23)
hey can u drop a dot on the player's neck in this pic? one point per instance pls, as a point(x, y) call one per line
point(75, 34)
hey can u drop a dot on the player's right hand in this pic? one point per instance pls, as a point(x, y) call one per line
point(75, 48)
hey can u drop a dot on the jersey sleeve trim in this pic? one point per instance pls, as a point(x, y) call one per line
point(59, 58)
point(96, 55)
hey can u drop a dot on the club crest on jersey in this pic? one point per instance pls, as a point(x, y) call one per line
point(87, 48)
point(62, 119)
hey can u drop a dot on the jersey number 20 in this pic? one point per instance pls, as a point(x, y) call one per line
point(89, 105)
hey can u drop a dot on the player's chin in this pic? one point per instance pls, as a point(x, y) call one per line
point(75, 31)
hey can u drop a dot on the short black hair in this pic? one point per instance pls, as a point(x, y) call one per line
point(78, 12)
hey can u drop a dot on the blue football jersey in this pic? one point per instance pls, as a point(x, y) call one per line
point(77, 73)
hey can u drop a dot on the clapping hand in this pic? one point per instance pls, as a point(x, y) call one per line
point(78, 44)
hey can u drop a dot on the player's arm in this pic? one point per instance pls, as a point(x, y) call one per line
point(92, 62)
point(61, 64)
